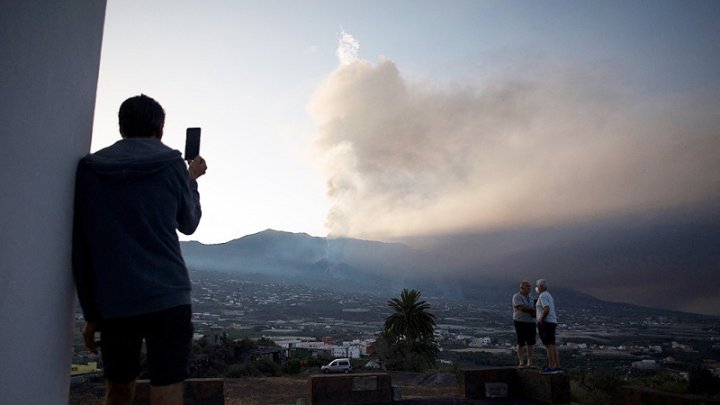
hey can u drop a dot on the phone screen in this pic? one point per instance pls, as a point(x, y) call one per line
point(192, 143)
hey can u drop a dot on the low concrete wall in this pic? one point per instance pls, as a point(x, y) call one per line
point(350, 389)
point(472, 381)
point(553, 388)
point(198, 391)
point(521, 383)
point(632, 395)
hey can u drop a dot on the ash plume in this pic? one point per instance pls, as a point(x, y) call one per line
point(541, 145)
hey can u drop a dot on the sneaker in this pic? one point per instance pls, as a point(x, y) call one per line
point(546, 370)
point(558, 370)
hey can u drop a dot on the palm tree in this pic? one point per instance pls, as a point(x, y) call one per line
point(410, 330)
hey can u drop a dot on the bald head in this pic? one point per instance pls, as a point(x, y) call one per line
point(525, 287)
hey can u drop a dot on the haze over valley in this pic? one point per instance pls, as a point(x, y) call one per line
point(591, 259)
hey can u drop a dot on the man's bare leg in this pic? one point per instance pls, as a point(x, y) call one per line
point(529, 356)
point(552, 353)
point(167, 394)
point(119, 394)
point(520, 355)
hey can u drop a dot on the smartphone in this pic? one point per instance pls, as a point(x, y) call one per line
point(192, 143)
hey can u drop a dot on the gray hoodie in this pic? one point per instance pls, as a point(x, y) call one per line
point(129, 200)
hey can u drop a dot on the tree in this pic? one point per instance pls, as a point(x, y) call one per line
point(408, 337)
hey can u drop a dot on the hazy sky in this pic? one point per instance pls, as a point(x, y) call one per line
point(580, 139)
point(448, 116)
point(461, 115)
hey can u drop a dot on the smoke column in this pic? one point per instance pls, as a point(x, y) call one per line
point(541, 144)
point(347, 50)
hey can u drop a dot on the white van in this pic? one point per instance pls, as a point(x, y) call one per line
point(337, 366)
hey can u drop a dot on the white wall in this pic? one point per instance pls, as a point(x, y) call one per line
point(49, 60)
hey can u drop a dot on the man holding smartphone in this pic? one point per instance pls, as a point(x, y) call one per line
point(130, 198)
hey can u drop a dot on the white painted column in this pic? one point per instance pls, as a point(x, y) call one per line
point(49, 61)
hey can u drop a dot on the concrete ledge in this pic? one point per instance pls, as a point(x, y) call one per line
point(198, 391)
point(522, 383)
point(350, 389)
point(553, 388)
point(473, 381)
point(633, 395)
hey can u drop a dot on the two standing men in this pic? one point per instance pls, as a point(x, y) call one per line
point(524, 318)
point(132, 283)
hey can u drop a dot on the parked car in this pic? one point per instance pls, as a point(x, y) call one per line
point(337, 366)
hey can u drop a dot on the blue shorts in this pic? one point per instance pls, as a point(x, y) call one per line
point(168, 339)
point(546, 330)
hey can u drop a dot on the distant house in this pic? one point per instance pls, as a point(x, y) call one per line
point(352, 352)
point(682, 347)
point(374, 364)
point(352, 349)
point(80, 369)
point(274, 354)
point(338, 351)
point(646, 364)
point(480, 342)
point(315, 349)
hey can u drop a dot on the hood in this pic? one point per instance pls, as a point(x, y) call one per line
point(131, 159)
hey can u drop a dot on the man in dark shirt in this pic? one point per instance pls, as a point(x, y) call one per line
point(131, 278)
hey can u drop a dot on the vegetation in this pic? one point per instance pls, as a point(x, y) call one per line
point(407, 341)
point(602, 386)
point(594, 387)
point(225, 357)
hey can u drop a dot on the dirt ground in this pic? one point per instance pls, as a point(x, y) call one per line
point(265, 390)
point(286, 390)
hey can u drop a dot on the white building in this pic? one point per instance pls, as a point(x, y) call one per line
point(646, 364)
point(480, 342)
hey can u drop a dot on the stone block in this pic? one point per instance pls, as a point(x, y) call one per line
point(552, 388)
point(496, 390)
point(473, 381)
point(521, 383)
point(350, 389)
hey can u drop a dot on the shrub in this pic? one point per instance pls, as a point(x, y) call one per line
point(240, 370)
point(317, 361)
point(292, 367)
point(596, 387)
point(267, 367)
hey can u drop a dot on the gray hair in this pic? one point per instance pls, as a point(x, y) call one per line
point(543, 283)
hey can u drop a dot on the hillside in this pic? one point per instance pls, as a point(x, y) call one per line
point(339, 264)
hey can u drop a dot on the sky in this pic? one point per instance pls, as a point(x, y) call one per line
point(418, 120)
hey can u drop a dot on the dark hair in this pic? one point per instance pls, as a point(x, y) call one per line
point(141, 117)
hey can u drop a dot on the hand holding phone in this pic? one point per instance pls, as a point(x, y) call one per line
point(197, 167)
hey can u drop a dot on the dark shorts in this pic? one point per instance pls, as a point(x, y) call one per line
point(525, 332)
point(546, 330)
point(168, 339)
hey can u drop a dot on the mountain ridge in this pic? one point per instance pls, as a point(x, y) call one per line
point(354, 265)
